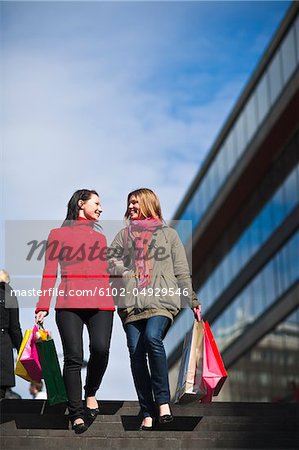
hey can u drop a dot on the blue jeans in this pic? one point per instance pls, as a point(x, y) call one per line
point(145, 337)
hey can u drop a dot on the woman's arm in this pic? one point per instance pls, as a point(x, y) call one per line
point(116, 256)
point(49, 275)
point(182, 273)
point(14, 329)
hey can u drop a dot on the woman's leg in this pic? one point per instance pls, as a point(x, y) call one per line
point(70, 326)
point(3, 391)
point(153, 338)
point(99, 325)
point(139, 367)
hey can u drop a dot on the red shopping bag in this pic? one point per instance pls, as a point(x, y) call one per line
point(29, 357)
point(213, 372)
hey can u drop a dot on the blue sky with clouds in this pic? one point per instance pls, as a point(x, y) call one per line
point(114, 96)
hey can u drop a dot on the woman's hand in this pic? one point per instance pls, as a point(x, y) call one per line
point(117, 266)
point(197, 312)
point(116, 262)
point(39, 317)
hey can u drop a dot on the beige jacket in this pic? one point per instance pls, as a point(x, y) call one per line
point(170, 288)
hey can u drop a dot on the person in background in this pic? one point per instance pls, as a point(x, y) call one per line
point(12, 394)
point(10, 332)
point(84, 298)
point(36, 390)
point(150, 260)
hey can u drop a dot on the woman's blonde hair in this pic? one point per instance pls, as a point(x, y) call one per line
point(148, 202)
point(4, 276)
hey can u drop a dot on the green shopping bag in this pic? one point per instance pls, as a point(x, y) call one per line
point(48, 359)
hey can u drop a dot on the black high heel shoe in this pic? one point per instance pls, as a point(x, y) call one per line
point(91, 413)
point(146, 428)
point(79, 428)
point(166, 418)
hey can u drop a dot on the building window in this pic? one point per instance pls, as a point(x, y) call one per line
point(271, 367)
point(251, 116)
point(262, 96)
point(297, 37)
point(275, 211)
point(267, 286)
point(275, 77)
point(288, 55)
point(241, 134)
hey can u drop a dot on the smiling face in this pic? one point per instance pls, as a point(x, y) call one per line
point(143, 204)
point(90, 209)
point(134, 209)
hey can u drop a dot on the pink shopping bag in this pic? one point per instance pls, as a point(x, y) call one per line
point(29, 357)
point(213, 372)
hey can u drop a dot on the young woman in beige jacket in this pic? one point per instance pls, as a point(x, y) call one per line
point(151, 282)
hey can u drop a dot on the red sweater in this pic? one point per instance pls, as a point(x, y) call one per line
point(80, 252)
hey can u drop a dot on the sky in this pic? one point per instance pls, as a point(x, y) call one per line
point(114, 96)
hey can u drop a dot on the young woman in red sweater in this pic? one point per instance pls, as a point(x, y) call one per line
point(84, 299)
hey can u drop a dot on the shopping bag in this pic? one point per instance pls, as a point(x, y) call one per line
point(213, 372)
point(29, 356)
point(20, 369)
point(190, 385)
point(55, 387)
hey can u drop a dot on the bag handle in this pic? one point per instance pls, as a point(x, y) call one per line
point(198, 315)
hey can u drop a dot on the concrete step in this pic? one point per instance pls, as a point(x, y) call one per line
point(130, 423)
point(150, 441)
point(165, 433)
point(127, 407)
point(31, 424)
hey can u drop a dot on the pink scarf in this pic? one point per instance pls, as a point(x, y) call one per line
point(141, 232)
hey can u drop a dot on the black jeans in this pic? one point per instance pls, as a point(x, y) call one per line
point(3, 391)
point(70, 325)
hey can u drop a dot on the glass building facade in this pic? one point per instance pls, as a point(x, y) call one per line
point(275, 77)
point(244, 208)
point(270, 370)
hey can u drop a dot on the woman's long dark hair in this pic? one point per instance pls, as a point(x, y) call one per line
point(73, 208)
